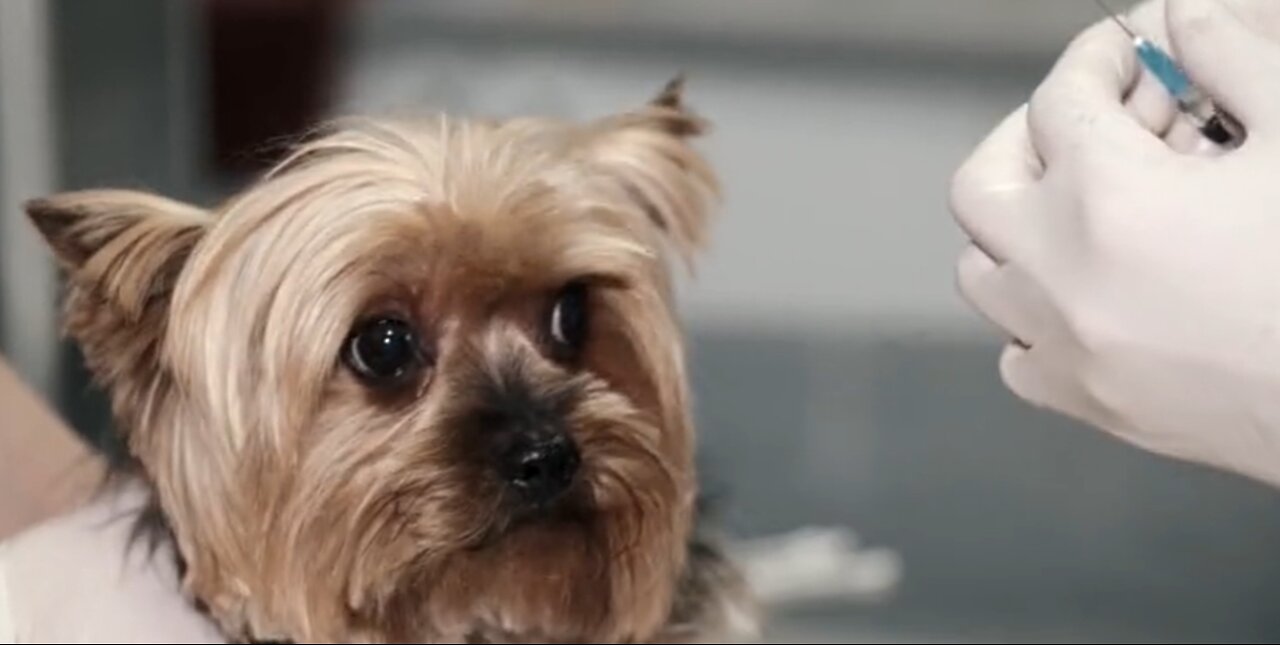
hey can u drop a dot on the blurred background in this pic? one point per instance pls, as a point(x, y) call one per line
point(840, 381)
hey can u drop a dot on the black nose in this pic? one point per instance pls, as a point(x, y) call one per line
point(541, 469)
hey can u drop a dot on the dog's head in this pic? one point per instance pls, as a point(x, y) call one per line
point(423, 381)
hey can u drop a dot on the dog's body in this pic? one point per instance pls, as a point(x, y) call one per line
point(424, 382)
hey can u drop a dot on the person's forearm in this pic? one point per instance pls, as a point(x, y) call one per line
point(44, 467)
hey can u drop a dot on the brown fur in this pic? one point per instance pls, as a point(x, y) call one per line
point(307, 507)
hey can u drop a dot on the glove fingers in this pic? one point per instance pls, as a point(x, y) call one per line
point(1082, 102)
point(983, 284)
point(1225, 57)
point(1151, 105)
point(987, 187)
point(1027, 378)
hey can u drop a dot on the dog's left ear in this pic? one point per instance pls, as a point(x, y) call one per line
point(649, 153)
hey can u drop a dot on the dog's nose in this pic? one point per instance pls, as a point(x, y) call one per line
point(541, 469)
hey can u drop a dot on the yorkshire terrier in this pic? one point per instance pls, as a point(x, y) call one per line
point(423, 382)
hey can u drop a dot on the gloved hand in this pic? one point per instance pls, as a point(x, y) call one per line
point(1149, 101)
point(1141, 284)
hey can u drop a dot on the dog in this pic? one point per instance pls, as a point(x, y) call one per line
point(424, 381)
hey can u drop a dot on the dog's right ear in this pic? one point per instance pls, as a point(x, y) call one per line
point(122, 252)
point(125, 249)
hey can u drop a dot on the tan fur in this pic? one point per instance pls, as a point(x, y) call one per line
point(308, 508)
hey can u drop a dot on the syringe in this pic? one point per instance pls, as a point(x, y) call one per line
point(1214, 123)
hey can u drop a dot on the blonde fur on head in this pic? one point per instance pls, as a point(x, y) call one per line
point(423, 382)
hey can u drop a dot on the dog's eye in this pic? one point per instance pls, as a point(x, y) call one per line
point(569, 319)
point(384, 351)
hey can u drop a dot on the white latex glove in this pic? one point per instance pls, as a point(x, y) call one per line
point(1141, 284)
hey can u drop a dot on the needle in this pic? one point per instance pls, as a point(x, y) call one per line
point(1116, 17)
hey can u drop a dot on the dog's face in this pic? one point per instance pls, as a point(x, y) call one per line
point(423, 382)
